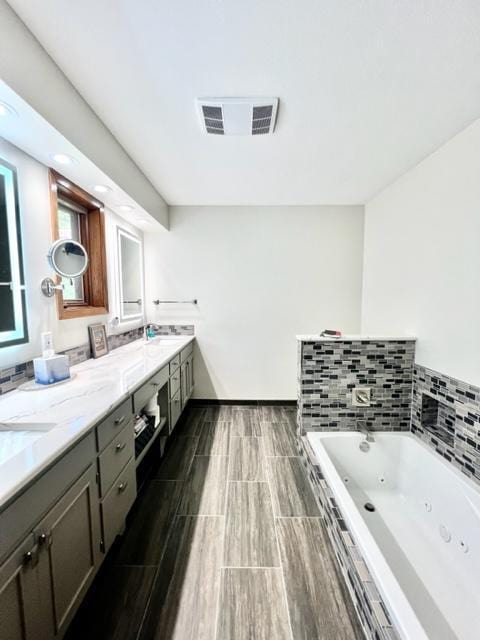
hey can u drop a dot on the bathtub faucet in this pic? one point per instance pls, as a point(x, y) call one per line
point(362, 426)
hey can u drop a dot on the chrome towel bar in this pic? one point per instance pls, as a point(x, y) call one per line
point(195, 301)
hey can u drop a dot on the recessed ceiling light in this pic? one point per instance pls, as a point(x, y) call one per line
point(7, 110)
point(102, 188)
point(62, 158)
point(125, 208)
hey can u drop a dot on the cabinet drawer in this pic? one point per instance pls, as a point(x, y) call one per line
point(117, 503)
point(174, 363)
point(24, 513)
point(149, 388)
point(175, 409)
point(186, 352)
point(174, 383)
point(116, 455)
point(114, 423)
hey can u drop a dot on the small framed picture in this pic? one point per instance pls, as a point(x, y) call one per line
point(98, 340)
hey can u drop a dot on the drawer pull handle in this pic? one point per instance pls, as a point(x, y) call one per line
point(42, 539)
point(121, 447)
point(122, 486)
point(155, 384)
point(30, 558)
point(175, 378)
point(120, 420)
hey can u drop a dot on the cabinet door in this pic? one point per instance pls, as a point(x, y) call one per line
point(190, 376)
point(25, 595)
point(184, 377)
point(71, 532)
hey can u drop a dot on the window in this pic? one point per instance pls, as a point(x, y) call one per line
point(13, 320)
point(78, 216)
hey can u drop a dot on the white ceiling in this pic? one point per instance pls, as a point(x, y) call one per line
point(367, 88)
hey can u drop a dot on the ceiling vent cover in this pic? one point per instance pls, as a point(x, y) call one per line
point(238, 116)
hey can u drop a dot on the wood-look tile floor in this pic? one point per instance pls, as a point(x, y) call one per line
point(226, 543)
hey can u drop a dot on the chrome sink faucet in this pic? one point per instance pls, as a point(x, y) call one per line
point(362, 426)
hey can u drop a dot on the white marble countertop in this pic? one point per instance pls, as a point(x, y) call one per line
point(77, 405)
point(349, 337)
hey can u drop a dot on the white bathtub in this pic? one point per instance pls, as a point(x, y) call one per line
point(430, 585)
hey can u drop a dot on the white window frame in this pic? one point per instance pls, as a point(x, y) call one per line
point(20, 333)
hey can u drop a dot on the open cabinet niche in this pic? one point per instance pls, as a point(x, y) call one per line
point(438, 419)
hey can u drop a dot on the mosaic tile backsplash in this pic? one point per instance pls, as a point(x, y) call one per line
point(12, 377)
point(329, 370)
point(175, 330)
point(446, 415)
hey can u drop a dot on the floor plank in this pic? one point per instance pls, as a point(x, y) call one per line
point(185, 594)
point(115, 606)
point(271, 413)
point(214, 439)
point(246, 611)
point(192, 423)
point(177, 461)
point(214, 413)
point(145, 538)
point(247, 459)
point(291, 492)
point(245, 423)
point(205, 487)
point(250, 539)
point(318, 607)
point(279, 439)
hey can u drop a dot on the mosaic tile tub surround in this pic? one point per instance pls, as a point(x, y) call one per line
point(368, 602)
point(446, 415)
point(329, 369)
point(15, 375)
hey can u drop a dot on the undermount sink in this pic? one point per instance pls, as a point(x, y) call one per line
point(163, 341)
point(16, 436)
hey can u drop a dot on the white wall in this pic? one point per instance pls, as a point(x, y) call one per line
point(261, 276)
point(34, 200)
point(422, 258)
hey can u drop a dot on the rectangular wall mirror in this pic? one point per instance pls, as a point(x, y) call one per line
point(130, 261)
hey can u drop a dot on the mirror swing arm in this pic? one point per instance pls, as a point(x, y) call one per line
point(49, 287)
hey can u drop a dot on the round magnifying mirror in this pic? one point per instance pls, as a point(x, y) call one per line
point(68, 258)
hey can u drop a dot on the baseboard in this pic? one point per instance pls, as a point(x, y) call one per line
point(200, 402)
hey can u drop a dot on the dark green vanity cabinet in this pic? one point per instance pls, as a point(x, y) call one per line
point(56, 533)
point(181, 393)
point(68, 537)
point(47, 574)
point(25, 595)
